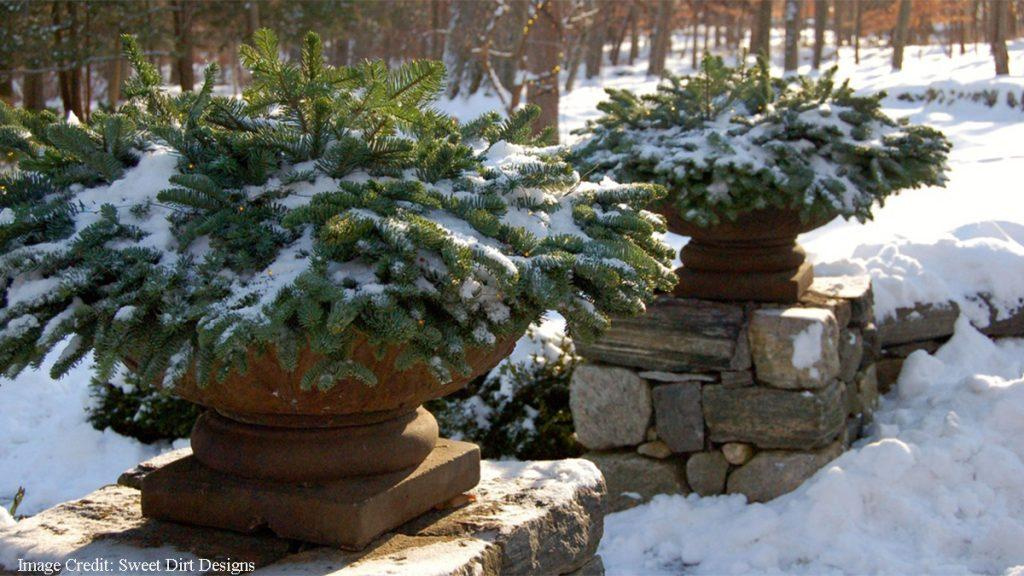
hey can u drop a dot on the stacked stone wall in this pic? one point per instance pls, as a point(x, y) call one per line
point(719, 397)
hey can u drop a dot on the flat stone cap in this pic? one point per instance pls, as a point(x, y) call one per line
point(523, 518)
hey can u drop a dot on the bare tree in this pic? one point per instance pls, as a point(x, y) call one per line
point(899, 35)
point(1000, 15)
point(820, 20)
point(662, 43)
point(792, 20)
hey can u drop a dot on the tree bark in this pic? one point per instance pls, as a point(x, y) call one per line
point(634, 33)
point(596, 39)
point(820, 19)
point(792, 20)
point(33, 91)
point(695, 56)
point(7, 89)
point(899, 36)
point(69, 75)
point(183, 44)
point(543, 59)
point(114, 74)
point(857, 21)
point(761, 37)
point(838, 22)
point(662, 42)
point(1000, 10)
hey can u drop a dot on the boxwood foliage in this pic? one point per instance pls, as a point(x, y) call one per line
point(729, 140)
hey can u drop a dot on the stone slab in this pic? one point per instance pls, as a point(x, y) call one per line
point(854, 289)
point(706, 473)
point(611, 406)
point(674, 335)
point(794, 347)
point(678, 416)
point(523, 518)
point(774, 473)
point(770, 418)
point(348, 513)
point(633, 479)
point(922, 322)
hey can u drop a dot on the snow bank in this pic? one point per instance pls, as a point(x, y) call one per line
point(985, 258)
point(937, 488)
point(49, 447)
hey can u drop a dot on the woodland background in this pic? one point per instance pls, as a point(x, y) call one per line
point(66, 54)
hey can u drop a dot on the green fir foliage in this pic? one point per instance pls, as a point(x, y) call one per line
point(729, 140)
point(183, 231)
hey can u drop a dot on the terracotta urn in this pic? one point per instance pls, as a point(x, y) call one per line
point(756, 257)
point(337, 466)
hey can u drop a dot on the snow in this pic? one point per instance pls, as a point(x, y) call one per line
point(936, 488)
point(49, 447)
point(807, 347)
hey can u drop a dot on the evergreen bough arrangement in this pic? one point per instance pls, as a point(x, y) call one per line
point(181, 232)
point(731, 140)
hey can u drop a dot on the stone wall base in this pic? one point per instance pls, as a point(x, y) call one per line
point(728, 397)
point(523, 518)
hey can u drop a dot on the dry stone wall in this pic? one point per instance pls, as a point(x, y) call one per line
point(719, 397)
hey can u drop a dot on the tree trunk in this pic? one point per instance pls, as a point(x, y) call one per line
point(838, 22)
point(114, 70)
point(792, 20)
point(820, 19)
point(7, 89)
point(857, 21)
point(33, 91)
point(438, 20)
point(899, 36)
point(761, 37)
point(662, 42)
point(620, 37)
point(634, 33)
point(66, 45)
point(695, 55)
point(595, 40)
point(575, 59)
point(1000, 15)
point(183, 46)
point(543, 59)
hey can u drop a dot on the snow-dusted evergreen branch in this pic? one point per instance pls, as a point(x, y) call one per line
point(731, 140)
point(185, 231)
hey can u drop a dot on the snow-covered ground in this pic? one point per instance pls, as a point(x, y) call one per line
point(938, 487)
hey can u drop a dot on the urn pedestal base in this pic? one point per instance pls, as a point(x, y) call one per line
point(347, 513)
point(782, 287)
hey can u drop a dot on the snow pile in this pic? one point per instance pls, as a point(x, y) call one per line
point(984, 259)
point(937, 488)
point(50, 448)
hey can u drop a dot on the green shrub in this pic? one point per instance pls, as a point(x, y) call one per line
point(730, 140)
point(521, 409)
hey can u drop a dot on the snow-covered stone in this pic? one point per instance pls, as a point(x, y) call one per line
point(795, 348)
point(611, 406)
point(527, 518)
